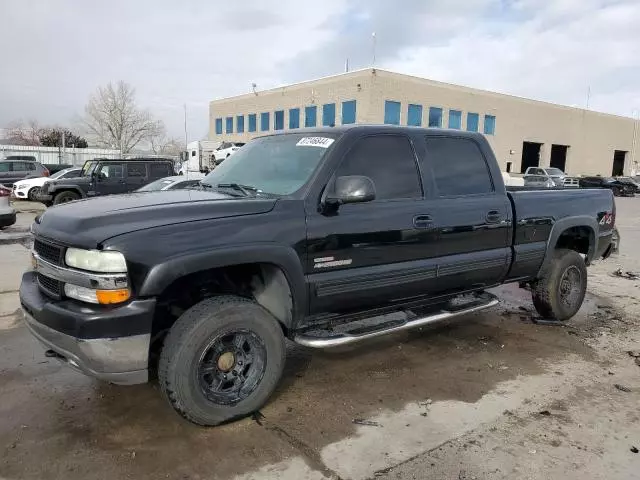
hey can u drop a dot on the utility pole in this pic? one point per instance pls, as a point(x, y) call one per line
point(373, 62)
point(64, 153)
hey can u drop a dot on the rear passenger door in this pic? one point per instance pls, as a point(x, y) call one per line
point(473, 218)
point(367, 253)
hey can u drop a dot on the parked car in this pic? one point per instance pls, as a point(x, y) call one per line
point(548, 177)
point(539, 181)
point(7, 213)
point(512, 181)
point(315, 236)
point(13, 170)
point(634, 184)
point(619, 189)
point(105, 177)
point(225, 150)
point(176, 182)
point(30, 188)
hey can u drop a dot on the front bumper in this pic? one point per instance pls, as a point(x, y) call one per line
point(110, 344)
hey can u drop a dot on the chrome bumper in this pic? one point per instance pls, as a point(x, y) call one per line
point(120, 360)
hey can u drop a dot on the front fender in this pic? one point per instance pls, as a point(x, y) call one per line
point(62, 188)
point(162, 275)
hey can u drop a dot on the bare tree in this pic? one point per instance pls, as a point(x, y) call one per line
point(163, 145)
point(19, 133)
point(114, 119)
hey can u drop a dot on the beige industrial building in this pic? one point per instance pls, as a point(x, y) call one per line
point(522, 132)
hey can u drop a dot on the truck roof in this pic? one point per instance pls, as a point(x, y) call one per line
point(376, 128)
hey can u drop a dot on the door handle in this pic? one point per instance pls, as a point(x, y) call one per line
point(493, 216)
point(422, 221)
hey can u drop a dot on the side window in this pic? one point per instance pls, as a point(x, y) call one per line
point(20, 166)
point(136, 170)
point(159, 170)
point(111, 170)
point(31, 166)
point(5, 166)
point(458, 166)
point(389, 161)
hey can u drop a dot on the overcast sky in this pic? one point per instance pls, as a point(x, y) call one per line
point(56, 52)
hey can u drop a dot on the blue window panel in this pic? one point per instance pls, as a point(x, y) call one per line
point(229, 125)
point(278, 120)
point(252, 122)
point(240, 124)
point(310, 116)
point(414, 115)
point(348, 112)
point(329, 114)
point(391, 112)
point(294, 118)
point(489, 125)
point(218, 126)
point(435, 117)
point(264, 122)
point(455, 119)
point(473, 119)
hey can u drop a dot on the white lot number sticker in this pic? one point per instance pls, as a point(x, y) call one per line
point(321, 142)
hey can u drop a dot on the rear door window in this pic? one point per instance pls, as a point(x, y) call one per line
point(111, 170)
point(136, 170)
point(159, 170)
point(458, 166)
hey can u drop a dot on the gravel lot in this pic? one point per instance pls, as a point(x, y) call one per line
point(492, 396)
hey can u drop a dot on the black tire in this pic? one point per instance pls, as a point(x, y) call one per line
point(64, 197)
point(559, 292)
point(32, 193)
point(199, 331)
point(616, 191)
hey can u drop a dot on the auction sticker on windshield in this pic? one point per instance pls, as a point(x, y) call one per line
point(321, 142)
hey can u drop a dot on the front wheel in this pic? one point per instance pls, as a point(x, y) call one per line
point(33, 193)
point(221, 360)
point(64, 197)
point(559, 292)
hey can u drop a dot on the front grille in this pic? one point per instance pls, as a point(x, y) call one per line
point(50, 286)
point(47, 251)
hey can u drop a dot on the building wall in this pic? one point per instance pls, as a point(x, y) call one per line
point(591, 137)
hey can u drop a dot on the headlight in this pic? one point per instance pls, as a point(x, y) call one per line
point(96, 260)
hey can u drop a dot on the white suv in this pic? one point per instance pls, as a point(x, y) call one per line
point(225, 149)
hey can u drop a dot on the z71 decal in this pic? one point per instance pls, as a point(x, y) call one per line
point(326, 262)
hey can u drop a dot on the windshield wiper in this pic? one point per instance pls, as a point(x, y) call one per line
point(245, 189)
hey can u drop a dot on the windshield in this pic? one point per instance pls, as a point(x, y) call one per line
point(59, 174)
point(88, 168)
point(554, 171)
point(155, 186)
point(279, 164)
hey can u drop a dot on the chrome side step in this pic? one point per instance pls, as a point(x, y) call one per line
point(453, 309)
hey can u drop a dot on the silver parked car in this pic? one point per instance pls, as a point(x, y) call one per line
point(7, 213)
point(548, 177)
point(177, 182)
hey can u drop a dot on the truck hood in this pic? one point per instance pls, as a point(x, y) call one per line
point(87, 223)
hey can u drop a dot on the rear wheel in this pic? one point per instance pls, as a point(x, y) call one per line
point(33, 193)
point(221, 360)
point(616, 191)
point(64, 197)
point(559, 292)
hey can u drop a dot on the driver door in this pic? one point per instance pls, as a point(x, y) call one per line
point(110, 178)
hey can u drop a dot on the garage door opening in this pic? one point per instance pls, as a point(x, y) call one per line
point(559, 156)
point(619, 157)
point(530, 155)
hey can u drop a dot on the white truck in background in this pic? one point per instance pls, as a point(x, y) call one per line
point(198, 157)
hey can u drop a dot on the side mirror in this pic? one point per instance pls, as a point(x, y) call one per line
point(352, 189)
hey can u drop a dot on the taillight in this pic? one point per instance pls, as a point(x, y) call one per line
point(46, 173)
point(4, 192)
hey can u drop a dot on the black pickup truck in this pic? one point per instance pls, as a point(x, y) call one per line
point(323, 236)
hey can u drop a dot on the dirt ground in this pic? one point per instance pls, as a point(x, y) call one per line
point(490, 396)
